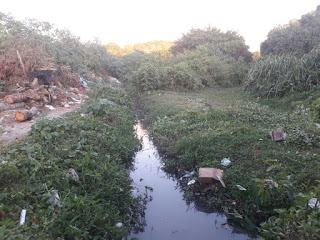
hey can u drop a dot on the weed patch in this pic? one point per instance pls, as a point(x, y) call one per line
point(263, 176)
point(97, 143)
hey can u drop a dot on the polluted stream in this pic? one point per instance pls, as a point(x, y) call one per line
point(167, 215)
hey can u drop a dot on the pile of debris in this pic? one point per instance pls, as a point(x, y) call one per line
point(32, 82)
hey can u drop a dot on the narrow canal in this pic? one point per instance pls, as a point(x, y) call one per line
point(168, 216)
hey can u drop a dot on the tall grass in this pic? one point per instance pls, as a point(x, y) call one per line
point(277, 76)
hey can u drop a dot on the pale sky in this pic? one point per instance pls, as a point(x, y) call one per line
point(135, 21)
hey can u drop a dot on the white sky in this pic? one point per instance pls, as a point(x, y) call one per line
point(133, 21)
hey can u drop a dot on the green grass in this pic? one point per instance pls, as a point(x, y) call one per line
point(98, 145)
point(228, 124)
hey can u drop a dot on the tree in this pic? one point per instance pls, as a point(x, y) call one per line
point(229, 42)
point(298, 37)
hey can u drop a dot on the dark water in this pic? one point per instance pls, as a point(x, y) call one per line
point(167, 215)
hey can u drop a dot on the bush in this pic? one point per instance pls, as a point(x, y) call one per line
point(230, 42)
point(297, 222)
point(297, 38)
point(145, 78)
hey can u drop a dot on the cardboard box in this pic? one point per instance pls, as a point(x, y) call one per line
point(210, 175)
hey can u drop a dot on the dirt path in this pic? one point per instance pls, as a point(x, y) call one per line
point(11, 130)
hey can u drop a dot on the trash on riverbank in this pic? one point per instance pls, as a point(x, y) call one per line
point(55, 198)
point(73, 175)
point(119, 224)
point(225, 162)
point(50, 107)
point(278, 136)
point(209, 176)
point(187, 175)
point(22, 217)
point(241, 188)
point(317, 125)
point(313, 202)
point(191, 182)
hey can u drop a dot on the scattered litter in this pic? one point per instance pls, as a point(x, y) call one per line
point(67, 106)
point(55, 198)
point(1, 119)
point(187, 175)
point(34, 223)
point(72, 174)
point(5, 133)
point(317, 125)
point(234, 203)
point(226, 226)
point(119, 224)
point(23, 217)
point(197, 194)
point(225, 162)
point(210, 175)
point(241, 188)
point(50, 107)
point(191, 182)
point(260, 139)
point(278, 136)
point(313, 202)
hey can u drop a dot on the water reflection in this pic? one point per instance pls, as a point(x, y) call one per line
point(168, 216)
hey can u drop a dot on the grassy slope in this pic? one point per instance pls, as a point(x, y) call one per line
point(226, 124)
point(98, 145)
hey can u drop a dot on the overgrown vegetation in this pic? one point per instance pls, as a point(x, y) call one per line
point(97, 142)
point(200, 129)
point(290, 61)
point(277, 76)
point(298, 37)
point(219, 59)
point(52, 44)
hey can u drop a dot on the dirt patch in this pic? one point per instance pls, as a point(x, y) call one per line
point(11, 130)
